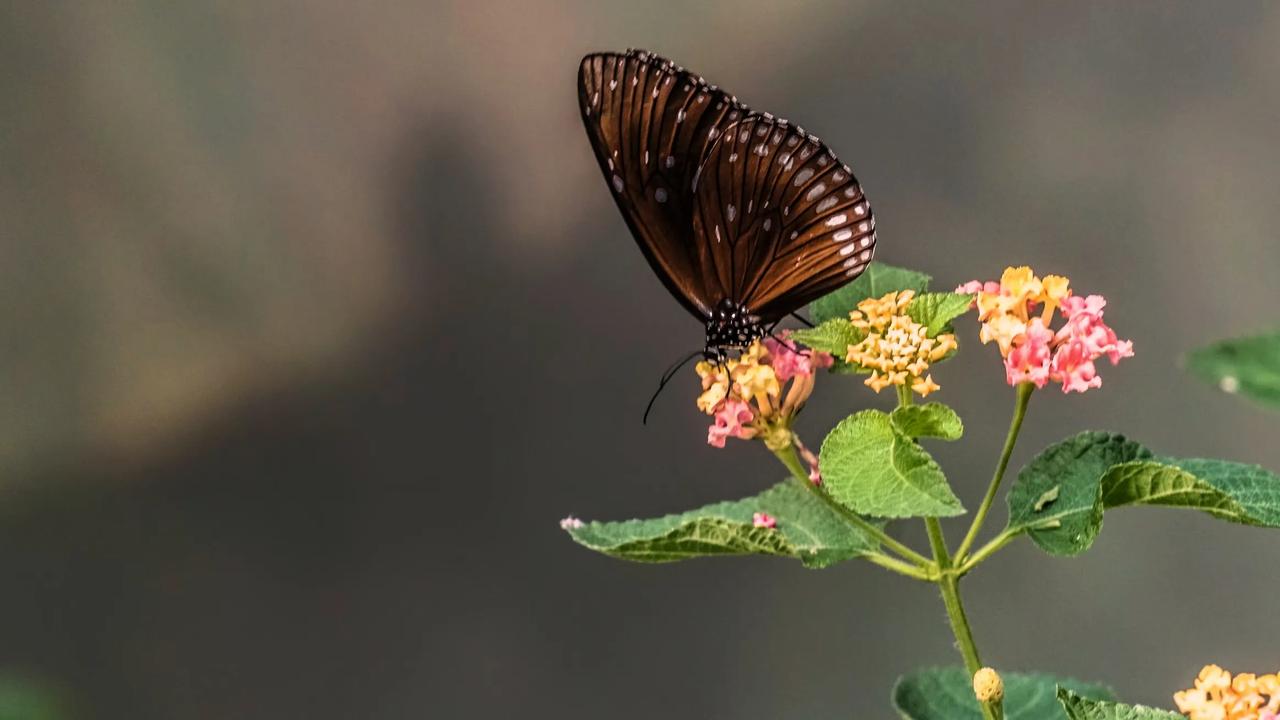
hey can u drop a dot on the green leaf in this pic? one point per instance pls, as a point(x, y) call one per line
point(871, 467)
point(1249, 366)
point(807, 529)
point(947, 694)
point(1060, 496)
point(25, 698)
point(877, 280)
point(936, 310)
point(1082, 708)
point(833, 336)
point(933, 420)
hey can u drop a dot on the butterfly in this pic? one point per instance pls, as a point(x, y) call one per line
point(743, 216)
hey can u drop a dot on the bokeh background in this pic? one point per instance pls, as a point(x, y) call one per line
point(318, 316)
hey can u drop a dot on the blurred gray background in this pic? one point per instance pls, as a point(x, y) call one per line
point(318, 316)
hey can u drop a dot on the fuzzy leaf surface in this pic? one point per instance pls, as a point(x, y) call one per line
point(1082, 708)
point(874, 469)
point(936, 310)
point(934, 420)
point(1059, 498)
point(807, 529)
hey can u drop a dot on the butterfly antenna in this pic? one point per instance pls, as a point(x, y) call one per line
point(666, 378)
point(801, 319)
point(790, 345)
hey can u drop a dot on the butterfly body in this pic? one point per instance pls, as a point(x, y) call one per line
point(743, 216)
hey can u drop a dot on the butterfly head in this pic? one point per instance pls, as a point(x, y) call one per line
point(731, 327)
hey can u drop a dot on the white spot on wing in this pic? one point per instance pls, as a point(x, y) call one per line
point(843, 235)
point(617, 183)
point(860, 210)
point(847, 249)
point(731, 212)
point(802, 176)
point(835, 220)
point(660, 195)
point(815, 192)
point(827, 204)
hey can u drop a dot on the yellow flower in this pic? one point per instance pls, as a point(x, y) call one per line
point(1056, 289)
point(1021, 283)
point(924, 386)
point(715, 384)
point(751, 379)
point(1003, 329)
point(1219, 696)
point(896, 349)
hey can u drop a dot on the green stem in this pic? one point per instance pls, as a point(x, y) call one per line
point(789, 458)
point(1015, 426)
point(904, 396)
point(949, 585)
point(986, 551)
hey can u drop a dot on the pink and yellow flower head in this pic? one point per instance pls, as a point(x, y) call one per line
point(1219, 696)
point(1016, 313)
point(746, 394)
point(897, 350)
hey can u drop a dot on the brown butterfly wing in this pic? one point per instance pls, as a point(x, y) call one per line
point(781, 220)
point(650, 124)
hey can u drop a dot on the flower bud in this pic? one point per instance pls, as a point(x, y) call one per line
point(987, 686)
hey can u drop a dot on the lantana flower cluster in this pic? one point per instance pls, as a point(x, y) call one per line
point(1017, 313)
point(1218, 695)
point(759, 392)
point(897, 350)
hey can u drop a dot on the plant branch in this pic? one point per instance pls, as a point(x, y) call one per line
point(949, 585)
point(1015, 426)
point(986, 551)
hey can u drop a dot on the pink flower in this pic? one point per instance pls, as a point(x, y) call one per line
point(1073, 367)
point(571, 523)
point(1085, 325)
point(764, 520)
point(1029, 359)
point(788, 361)
point(1074, 305)
point(1016, 313)
point(731, 415)
point(973, 287)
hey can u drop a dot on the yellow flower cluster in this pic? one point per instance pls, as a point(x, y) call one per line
point(1219, 696)
point(743, 378)
point(1004, 310)
point(897, 349)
